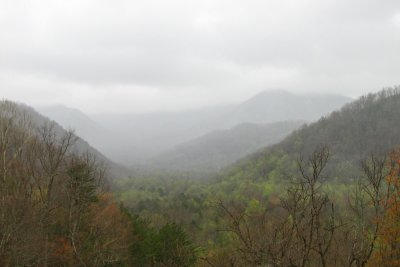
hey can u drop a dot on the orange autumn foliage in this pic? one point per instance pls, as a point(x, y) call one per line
point(62, 251)
point(387, 252)
point(109, 223)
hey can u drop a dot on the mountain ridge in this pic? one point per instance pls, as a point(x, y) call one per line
point(215, 150)
point(366, 126)
point(134, 139)
point(82, 146)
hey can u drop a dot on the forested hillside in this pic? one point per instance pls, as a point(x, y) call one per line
point(327, 195)
point(366, 126)
point(56, 210)
point(85, 127)
point(218, 149)
point(200, 133)
point(80, 145)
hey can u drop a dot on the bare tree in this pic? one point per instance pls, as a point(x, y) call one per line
point(299, 232)
point(311, 213)
point(366, 204)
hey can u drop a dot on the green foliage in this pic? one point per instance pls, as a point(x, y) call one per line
point(82, 184)
point(51, 197)
point(256, 183)
point(364, 127)
point(217, 150)
point(168, 246)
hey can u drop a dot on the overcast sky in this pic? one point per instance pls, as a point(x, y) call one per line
point(140, 56)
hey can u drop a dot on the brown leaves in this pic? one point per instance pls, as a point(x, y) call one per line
point(387, 251)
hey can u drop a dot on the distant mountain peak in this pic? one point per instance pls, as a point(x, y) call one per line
point(272, 92)
point(281, 105)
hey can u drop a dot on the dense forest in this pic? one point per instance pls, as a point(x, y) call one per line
point(326, 195)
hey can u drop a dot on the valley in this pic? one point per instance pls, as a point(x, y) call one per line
point(189, 133)
point(225, 196)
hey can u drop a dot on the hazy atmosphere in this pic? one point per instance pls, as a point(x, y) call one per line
point(144, 56)
point(209, 133)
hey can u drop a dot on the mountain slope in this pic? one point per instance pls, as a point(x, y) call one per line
point(145, 136)
point(280, 105)
point(220, 148)
point(81, 146)
point(82, 124)
point(142, 136)
point(367, 126)
point(132, 139)
point(70, 118)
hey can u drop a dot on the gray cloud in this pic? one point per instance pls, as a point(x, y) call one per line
point(146, 55)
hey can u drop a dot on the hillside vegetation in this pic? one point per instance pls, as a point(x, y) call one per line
point(326, 195)
point(55, 209)
point(218, 149)
point(366, 126)
point(134, 139)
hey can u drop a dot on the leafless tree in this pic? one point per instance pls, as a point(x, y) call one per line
point(366, 204)
point(299, 232)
